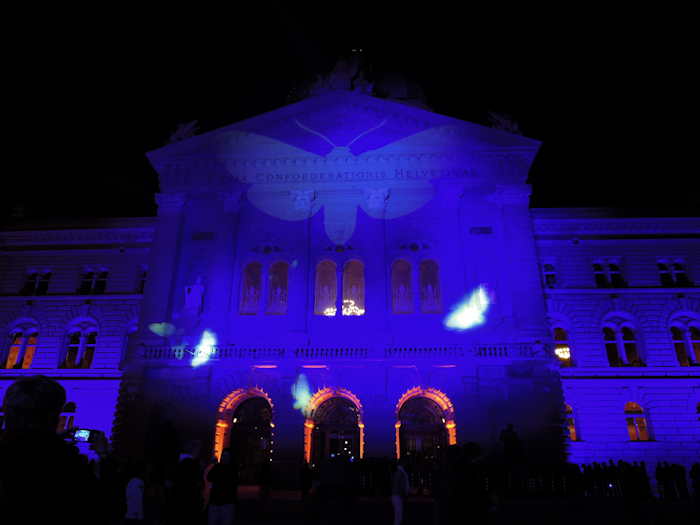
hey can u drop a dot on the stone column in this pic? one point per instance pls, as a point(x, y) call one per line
point(157, 301)
point(219, 299)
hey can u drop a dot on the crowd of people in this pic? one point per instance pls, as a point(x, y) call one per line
point(45, 478)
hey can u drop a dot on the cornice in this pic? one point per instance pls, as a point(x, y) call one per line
point(76, 237)
point(621, 292)
point(609, 226)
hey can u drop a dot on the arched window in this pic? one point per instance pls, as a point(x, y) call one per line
point(80, 347)
point(401, 289)
point(636, 420)
point(679, 344)
point(277, 288)
point(66, 421)
point(611, 347)
point(621, 346)
point(430, 287)
point(561, 347)
point(251, 288)
point(22, 347)
point(354, 288)
point(571, 431)
point(326, 289)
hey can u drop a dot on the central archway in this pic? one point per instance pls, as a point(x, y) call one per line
point(245, 426)
point(425, 424)
point(333, 426)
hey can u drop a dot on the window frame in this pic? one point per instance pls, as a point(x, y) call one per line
point(634, 414)
point(85, 346)
point(622, 344)
point(26, 332)
point(36, 282)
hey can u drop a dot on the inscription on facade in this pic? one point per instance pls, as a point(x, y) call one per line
point(398, 174)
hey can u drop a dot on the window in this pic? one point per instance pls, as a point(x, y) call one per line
point(429, 287)
point(561, 347)
point(686, 343)
point(251, 288)
point(66, 421)
point(277, 288)
point(550, 276)
point(326, 288)
point(141, 280)
point(80, 348)
point(608, 275)
point(679, 275)
point(36, 283)
point(93, 282)
point(621, 346)
point(354, 288)
point(571, 431)
point(637, 427)
point(401, 289)
point(22, 348)
point(665, 275)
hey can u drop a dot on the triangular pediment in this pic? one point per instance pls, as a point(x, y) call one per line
point(344, 123)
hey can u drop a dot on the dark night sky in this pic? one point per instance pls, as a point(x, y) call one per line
point(603, 98)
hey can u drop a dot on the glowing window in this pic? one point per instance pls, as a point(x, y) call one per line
point(637, 426)
point(561, 347)
point(277, 288)
point(37, 283)
point(571, 431)
point(251, 288)
point(401, 289)
point(354, 288)
point(326, 289)
point(430, 287)
point(80, 348)
point(550, 275)
point(22, 348)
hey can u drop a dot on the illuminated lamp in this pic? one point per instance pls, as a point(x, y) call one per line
point(563, 352)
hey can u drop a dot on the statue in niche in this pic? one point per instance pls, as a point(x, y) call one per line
point(430, 299)
point(401, 299)
point(194, 294)
point(251, 298)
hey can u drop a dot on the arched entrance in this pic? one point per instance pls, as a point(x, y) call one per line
point(245, 425)
point(425, 427)
point(425, 423)
point(334, 427)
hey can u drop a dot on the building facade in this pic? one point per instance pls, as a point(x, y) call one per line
point(351, 276)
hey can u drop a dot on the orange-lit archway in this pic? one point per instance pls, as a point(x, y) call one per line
point(314, 414)
point(226, 411)
point(443, 404)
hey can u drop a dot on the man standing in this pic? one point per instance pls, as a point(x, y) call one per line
point(399, 490)
point(224, 485)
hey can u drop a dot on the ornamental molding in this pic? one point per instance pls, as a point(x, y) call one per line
point(109, 236)
point(573, 226)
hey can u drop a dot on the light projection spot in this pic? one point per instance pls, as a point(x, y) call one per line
point(563, 352)
point(295, 263)
point(470, 312)
point(204, 350)
point(350, 308)
point(301, 393)
point(162, 329)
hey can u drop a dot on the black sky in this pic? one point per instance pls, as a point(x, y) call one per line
point(602, 95)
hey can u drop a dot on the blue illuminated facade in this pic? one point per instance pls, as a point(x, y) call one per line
point(341, 258)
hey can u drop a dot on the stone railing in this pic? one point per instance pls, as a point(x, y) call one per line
point(490, 352)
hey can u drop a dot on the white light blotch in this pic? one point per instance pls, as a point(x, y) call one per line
point(470, 312)
point(301, 393)
point(204, 350)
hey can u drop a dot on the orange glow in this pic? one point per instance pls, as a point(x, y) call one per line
point(442, 401)
point(265, 366)
point(227, 407)
point(316, 401)
point(314, 366)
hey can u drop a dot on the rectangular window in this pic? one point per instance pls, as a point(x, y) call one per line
point(36, 284)
point(550, 275)
point(679, 275)
point(616, 280)
point(601, 280)
point(93, 283)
